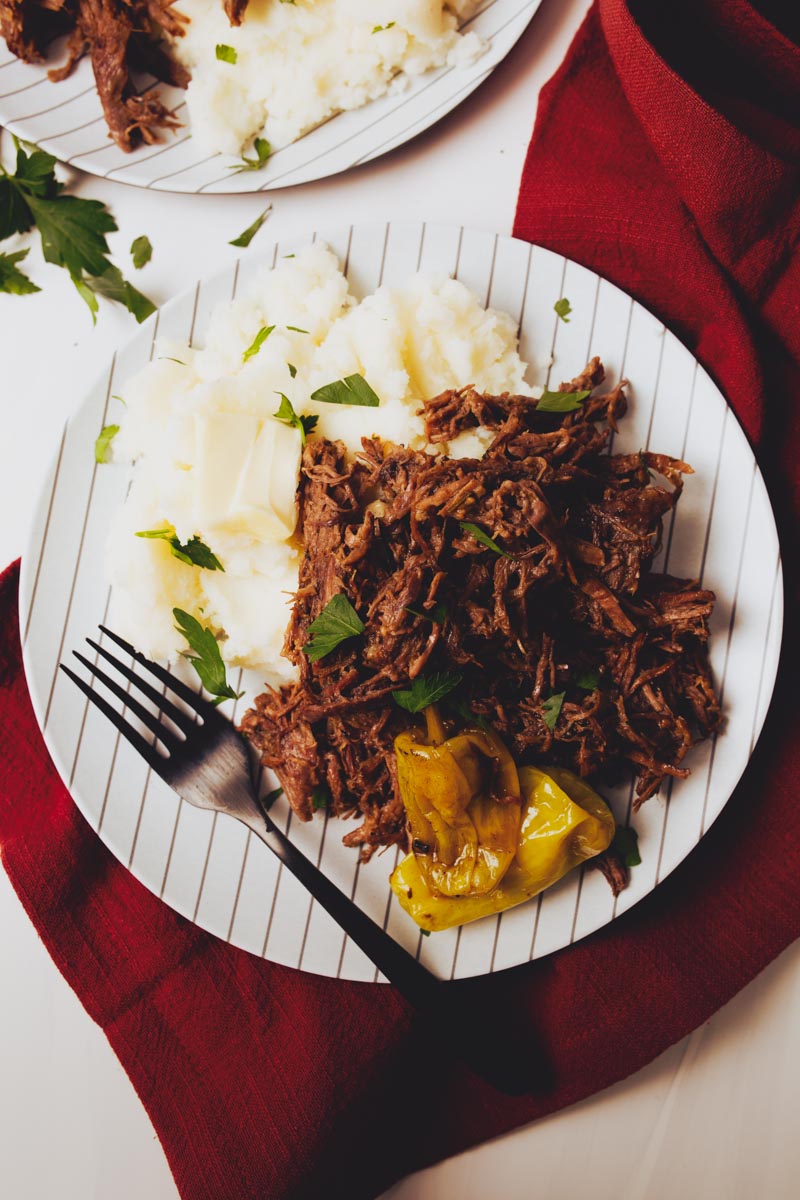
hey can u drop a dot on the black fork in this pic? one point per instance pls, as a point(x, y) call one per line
point(205, 760)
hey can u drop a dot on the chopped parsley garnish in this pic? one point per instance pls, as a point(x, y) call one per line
point(427, 689)
point(73, 231)
point(12, 280)
point(588, 681)
point(141, 251)
point(337, 622)
point(561, 402)
point(320, 797)
point(563, 308)
point(551, 709)
point(194, 552)
point(102, 445)
point(267, 801)
point(244, 239)
point(257, 342)
point(484, 539)
point(206, 658)
point(438, 614)
point(625, 844)
point(287, 414)
point(263, 151)
point(292, 369)
point(226, 54)
point(295, 328)
point(380, 28)
point(354, 389)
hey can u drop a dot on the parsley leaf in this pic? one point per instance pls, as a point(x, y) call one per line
point(12, 280)
point(257, 342)
point(320, 797)
point(551, 709)
point(483, 538)
point(72, 230)
point(141, 251)
point(206, 659)
point(226, 54)
point(286, 413)
point(244, 239)
point(438, 614)
point(588, 681)
point(337, 622)
point(102, 445)
point(625, 844)
point(295, 328)
point(263, 151)
point(194, 552)
point(380, 28)
point(354, 389)
point(563, 308)
point(292, 369)
point(426, 689)
point(560, 402)
point(267, 801)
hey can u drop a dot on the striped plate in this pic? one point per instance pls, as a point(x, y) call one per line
point(66, 119)
point(213, 870)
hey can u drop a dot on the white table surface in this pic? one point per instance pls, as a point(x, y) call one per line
point(715, 1116)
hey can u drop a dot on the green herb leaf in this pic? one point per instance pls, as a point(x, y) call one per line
point(244, 239)
point(194, 553)
point(380, 28)
point(563, 308)
point(263, 151)
point(226, 54)
point(463, 710)
point(286, 413)
point(206, 658)
point(560, 402)
point(12, 280)
point(320, 797)
point(102, 445)
point(295, 328)
point(438, 614)
point(169, 358)
point(427, 689)
point(588, 681)
point(141, 251)
point(257, 342)
point(113, 286)
point(267, 801)
point(551, 710)
point(625, 845)
point(483, 538)
point(352, 390)
point(337, 622)
point(292, 370)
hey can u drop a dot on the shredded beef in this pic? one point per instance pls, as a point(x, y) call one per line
point(571, 597)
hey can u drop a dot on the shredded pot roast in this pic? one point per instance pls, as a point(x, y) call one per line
point(564, 640)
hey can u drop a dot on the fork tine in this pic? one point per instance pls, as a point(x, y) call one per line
point(182, 719)
point(196, 702)
point(167, 739)
point(148, 752)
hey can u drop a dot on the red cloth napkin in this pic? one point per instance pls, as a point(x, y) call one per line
point(661, 162)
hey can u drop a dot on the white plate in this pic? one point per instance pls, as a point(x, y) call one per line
point(214, 871)
point(66, 119)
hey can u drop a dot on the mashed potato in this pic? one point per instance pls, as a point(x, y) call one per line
point(299, 63)
point(213, 462)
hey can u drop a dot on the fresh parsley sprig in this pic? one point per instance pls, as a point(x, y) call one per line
point(72, 230)
point(551, 709)
point(195, 553)
point(141, 251)
point(287, 414)
point(426, 689)
point(244, 239)
point(625, 845)
point(353, 389)
point(205, 657)
point(560, 402)
point(337, 622)
point(102, 444)
point(263, 151)
point(12, 280)
point(481, 536)
point(563, 308)
point(257, 342)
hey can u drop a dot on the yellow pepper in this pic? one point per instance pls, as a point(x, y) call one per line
point(463, 804)
point(563, 823)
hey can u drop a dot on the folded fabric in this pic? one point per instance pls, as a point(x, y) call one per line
point(651, 164)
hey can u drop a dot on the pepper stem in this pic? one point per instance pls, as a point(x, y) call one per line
point(435, 726)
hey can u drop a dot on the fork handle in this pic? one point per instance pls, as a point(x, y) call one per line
point(507, 1059)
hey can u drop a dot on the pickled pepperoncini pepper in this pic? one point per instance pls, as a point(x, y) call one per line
point(486, 835)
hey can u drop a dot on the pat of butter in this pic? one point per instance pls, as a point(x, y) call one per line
point(245, 475)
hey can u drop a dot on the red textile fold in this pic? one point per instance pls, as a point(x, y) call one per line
point(649, 166)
